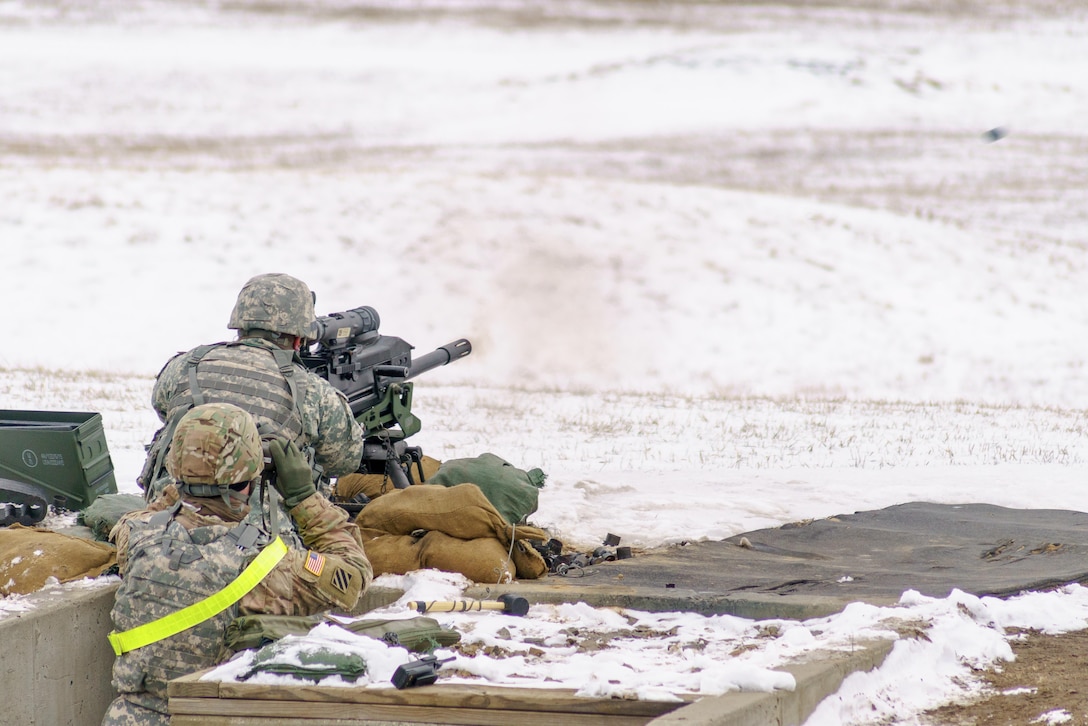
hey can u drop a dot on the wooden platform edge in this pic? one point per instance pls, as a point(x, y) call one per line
point(446, 696)
point(250, 712)
point(815, 681)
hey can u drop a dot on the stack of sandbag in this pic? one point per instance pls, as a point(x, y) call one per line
point(454, 529)
point(30, 556)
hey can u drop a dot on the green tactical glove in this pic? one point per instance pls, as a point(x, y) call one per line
point(293, 479)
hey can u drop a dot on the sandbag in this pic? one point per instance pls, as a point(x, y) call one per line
point(528, 562)
point(482, 560)
point(392, 554)
point(461, 511)
point(454, 529)
point(30, 556)
point(371, 485)
point(513, 492)
point(102, 514)
point(375, 485)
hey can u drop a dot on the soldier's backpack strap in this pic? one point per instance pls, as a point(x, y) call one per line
point(194, 358)
point(205, 609)
point(246, 535)
point(164, 517)
point(286, 360)
point(156, 453)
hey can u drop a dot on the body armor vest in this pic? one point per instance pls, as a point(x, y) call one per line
point(259, 380)
point(169, 568)
point(256, 379)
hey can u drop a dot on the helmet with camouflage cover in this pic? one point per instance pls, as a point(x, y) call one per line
point(215, 444)
point(275, 302)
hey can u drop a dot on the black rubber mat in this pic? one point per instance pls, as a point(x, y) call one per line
point(932, 548)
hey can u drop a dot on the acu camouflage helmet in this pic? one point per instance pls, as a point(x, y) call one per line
point(275, 302)
point(216, 444)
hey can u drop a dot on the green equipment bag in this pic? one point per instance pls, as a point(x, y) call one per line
point(512, 491)
point(255, 631)
point(419, 634)
point(309, 663)
point(102, 514)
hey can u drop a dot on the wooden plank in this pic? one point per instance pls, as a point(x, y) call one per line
point(191, 686)
point(266, 721)
point(239, 712)
point(506, 698)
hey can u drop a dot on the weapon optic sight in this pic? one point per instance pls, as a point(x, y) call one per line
point(357, 325)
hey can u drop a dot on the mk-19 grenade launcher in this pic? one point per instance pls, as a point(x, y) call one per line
point(373, 371)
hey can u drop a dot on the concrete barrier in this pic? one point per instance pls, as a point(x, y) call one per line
point(816, 679)
point(55, 663)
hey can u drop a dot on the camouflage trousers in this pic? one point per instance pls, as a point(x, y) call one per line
point(123, 712)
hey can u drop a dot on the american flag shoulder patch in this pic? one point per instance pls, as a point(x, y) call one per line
point(315, 562)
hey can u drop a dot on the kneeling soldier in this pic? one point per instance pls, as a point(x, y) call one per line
point(200, 555)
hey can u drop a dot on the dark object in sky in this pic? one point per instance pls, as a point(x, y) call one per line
point(995, 134)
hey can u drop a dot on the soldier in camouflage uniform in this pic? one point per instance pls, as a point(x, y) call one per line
point(194, 540)
point(262, 373)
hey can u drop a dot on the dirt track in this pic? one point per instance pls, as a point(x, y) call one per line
point(1047, 677)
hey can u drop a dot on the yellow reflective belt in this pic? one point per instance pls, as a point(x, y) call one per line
point(209, 607)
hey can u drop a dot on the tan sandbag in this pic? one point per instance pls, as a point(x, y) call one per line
point(482, 560)
point(393, 554)
point(29, 556)
point(463, 533)
point(524, 532)
point(528, 563)
point(366, 534)
point(375, 485)
point(461, 511)
point(372, 485)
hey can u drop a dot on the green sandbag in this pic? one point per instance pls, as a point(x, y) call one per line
point(512, 491)
point(105, 510)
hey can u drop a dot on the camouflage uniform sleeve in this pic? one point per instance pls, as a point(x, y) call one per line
point(331, 575)
point(119, 537)
point(337, 437)
point(166, 384)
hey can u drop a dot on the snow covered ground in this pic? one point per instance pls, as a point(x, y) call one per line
point(724, 266)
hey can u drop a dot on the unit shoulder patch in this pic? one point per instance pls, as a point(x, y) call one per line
point(341, 579)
